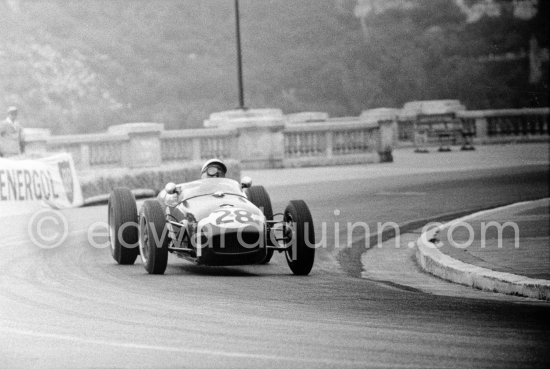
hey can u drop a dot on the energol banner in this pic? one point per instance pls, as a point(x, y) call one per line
point(27, 184)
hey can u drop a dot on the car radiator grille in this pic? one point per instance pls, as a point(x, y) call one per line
point(237, 242)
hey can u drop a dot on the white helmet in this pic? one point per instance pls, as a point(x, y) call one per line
point(218, 169)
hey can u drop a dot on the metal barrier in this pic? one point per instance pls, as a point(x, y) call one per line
point(485, 126)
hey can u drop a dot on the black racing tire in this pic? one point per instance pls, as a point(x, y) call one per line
point(298, 227)
point(260, 198)
point(123, 226)
point(153, 237)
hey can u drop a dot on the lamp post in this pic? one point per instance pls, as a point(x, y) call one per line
point(239, 57)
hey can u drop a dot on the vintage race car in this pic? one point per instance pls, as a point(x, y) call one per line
point(211, 221)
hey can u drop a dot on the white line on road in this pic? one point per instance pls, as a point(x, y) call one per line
point(409, 193)
point(198, 351)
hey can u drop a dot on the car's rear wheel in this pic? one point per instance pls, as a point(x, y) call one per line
point(299, 237)
point(153, 237)
point(260, 198)
point(123, 231)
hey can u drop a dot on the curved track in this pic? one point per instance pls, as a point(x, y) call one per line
point(71, 306)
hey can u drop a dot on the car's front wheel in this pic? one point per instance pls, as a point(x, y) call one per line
point(299, 237)
point(153, 237)
point(123, 232)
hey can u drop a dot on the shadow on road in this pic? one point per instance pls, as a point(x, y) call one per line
point(214, 271)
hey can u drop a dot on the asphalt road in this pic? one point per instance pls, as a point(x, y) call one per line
point(72, 306)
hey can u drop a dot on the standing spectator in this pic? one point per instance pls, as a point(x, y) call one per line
point(11, 134)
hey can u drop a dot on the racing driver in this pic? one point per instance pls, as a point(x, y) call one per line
point(213, 168)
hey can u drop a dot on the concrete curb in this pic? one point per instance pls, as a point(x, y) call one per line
point(437, 263)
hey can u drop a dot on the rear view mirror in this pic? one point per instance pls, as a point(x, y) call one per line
point(246, 182)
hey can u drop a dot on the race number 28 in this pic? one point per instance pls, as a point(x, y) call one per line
point(233, 215)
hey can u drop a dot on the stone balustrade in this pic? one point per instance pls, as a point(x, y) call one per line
point(90, 150)
point(334, 142)
point(263, 138)
point(271, 143)
point(197, 144)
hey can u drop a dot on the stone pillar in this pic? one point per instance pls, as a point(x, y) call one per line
point(386, 139)
point(328, 138)
point(36, 140)
point(196, 148)
point(481, 128)
point(420, 139)
point(84, 156)
point(261, 146)
point(144, 148)
point(260, 141)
